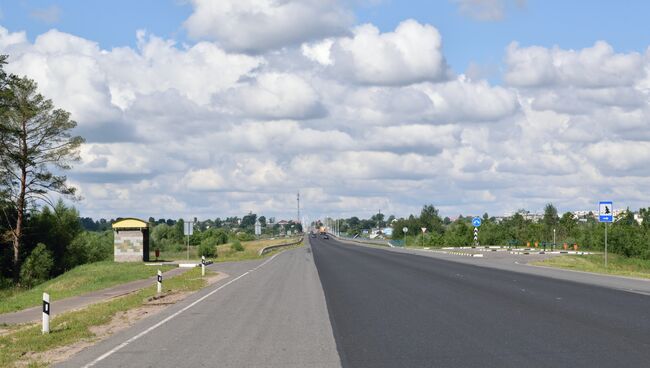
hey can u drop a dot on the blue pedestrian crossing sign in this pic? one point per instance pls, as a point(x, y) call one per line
point(476, 221)
point(605, 211)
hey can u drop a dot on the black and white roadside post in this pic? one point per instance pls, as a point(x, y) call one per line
point(159, 283)
point(46, 313)
point(476, 221)
point(202, 266)
point(606, 215)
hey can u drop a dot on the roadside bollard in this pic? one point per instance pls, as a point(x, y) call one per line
point(202, 266)
point(46, 313)
point(159, 282)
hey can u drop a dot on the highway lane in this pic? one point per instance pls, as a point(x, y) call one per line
point(390, 309)
point(269, 314)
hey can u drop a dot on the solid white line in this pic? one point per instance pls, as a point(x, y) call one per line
point(127, 342)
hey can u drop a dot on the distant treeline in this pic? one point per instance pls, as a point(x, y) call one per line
point(626, 236)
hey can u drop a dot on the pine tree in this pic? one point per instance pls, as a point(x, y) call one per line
point(34, 139)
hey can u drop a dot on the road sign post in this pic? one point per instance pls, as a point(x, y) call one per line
point(46, 313)
point(606, 215)
point(476, 221)
point(188, 230)
point(405, 230)
point(424, 229)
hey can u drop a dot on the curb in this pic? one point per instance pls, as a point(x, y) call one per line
point(465, 254)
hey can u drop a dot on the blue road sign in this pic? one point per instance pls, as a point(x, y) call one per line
point(605, 211)
point(476, 221)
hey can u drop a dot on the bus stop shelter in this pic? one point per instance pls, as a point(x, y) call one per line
point(131, 240)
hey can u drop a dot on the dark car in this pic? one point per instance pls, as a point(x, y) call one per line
point(313, 235)
point(326, 236)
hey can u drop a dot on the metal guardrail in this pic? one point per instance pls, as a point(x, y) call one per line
point(272, 247)
point(383, 243)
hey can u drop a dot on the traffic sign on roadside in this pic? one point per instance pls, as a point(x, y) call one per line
point(424, 229)
point(405, 229)
point(188, 228)
point(476, 221)
point(605, 211)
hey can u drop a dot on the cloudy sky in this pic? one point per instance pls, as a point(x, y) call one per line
point(216, 108)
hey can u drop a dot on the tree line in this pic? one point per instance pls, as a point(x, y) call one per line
point(626, 235)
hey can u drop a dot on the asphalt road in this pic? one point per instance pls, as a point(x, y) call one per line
point(335, 304)
point(390, 309)
point(269, 313)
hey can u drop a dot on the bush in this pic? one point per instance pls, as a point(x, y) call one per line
point(236, 246)
point(37, 266)
point(245, 236)
point(89, 247)
point(206, 248)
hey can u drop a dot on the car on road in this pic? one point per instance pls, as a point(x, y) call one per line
point(326, 236)
point(313, 235)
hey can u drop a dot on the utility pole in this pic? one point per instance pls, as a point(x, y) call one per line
point(298, 200)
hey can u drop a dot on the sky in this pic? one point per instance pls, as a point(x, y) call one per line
point(209, 109)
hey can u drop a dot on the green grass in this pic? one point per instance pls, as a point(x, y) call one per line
point(79, 280)
point(72, 327)
point(225, 254)
point(616, 264)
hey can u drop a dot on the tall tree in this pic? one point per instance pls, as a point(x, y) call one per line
point(34, 139)
point(430, 219)
point(550, 220)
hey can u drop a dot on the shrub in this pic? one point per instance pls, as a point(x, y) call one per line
point(245, 236)
point(89, 247)
point(206, 248)
point(236, 246)
point(37, 266)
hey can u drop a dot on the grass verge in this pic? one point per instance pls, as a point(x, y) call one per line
point(69, 328)
point(225, 254)
point(251, 250)
point(79, 280)
point(616, 264)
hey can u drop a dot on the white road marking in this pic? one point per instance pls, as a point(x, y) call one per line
point(127, 342)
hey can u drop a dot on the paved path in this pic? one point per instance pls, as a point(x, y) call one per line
point(268, 313)
point(34, 314)
point(391, 309)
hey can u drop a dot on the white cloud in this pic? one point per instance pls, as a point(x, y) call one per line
point(593, 67)
point(353, 121)
point(410, 54)
point(262, 25)
point(276, 96)
point(204, 179)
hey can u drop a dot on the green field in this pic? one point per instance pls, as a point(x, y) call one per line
point(617, 265)
point(79, 280)
point(71, 327)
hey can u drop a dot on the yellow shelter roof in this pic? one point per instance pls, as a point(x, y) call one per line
point(130, 223)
